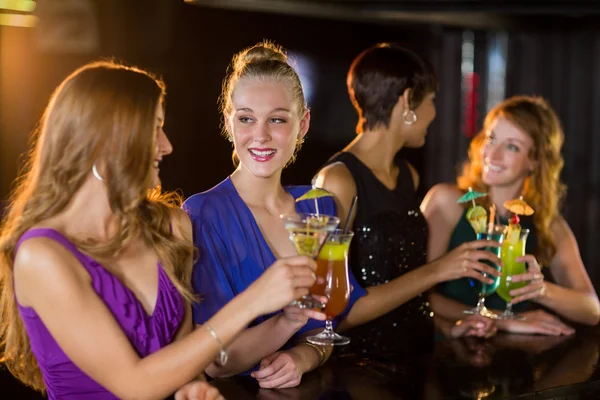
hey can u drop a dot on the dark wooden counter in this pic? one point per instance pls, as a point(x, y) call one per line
point(506, 367)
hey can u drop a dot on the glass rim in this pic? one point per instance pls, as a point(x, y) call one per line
point(301, 215)
point(340, 233)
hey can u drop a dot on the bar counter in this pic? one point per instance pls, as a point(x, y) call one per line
point(508, 366)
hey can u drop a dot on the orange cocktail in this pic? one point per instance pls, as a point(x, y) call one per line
point(332, 267)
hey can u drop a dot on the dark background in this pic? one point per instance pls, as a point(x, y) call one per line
point(551, 50)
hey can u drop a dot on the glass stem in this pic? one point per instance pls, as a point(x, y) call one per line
point(481, 301)
point(508, 308)
point(328, 326)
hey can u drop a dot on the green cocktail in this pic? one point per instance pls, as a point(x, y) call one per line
point(512, 248)
point(510, 253)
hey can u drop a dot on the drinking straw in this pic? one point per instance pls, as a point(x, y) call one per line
point(316, 203)
point(492, 217)
point(350, 211)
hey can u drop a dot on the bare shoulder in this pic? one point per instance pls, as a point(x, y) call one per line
point(41, 262)
point(443, 196)
point(561, 230)
point(336, 178)
point(181, 223)
point(414, 174)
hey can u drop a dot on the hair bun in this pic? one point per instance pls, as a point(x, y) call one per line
point(263, 51)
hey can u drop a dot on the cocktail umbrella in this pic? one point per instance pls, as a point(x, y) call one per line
point(315, 193)
point(518, 206)
point(471, 195)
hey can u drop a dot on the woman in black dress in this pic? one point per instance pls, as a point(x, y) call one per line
point(392, 90)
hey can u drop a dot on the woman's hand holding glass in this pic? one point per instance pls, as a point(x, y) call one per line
point(286, 280)
point(537, 285)
point(466, 261)
point(299, 316)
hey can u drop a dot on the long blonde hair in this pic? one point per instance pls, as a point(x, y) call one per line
point(104, 113)
point(543, 189)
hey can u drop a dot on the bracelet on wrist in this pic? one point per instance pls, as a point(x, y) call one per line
point(320, 352)
point(223, 354)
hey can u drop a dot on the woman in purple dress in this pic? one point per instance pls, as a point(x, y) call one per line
point(95, 262)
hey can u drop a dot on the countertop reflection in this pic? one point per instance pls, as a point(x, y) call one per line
point(506, 367)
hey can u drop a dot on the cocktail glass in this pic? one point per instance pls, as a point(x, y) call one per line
point(308, 232)
point(485, 289)
point(511, 250)
point(332, 265)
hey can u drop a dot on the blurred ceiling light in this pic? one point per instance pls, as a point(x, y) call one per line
point(18, 20)
point(18, 5)
point(305, 67)
point(67, 26)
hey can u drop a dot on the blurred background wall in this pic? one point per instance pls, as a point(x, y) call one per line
point(483, 52)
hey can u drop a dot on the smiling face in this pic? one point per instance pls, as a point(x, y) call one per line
point(265, 124)
point(505, 154)
point(163, 146)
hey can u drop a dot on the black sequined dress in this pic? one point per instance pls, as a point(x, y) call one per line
point(390, 240)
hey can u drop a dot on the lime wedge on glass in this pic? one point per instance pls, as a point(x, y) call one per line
point(477, 217)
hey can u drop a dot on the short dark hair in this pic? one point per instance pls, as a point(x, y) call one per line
point(379, 75)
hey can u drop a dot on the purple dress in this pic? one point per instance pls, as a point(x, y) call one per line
point(146, 333)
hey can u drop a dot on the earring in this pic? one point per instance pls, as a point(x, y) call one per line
point(413, 117)
point(96, 174)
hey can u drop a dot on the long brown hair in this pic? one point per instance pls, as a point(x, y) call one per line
point(543, 189)
point(103, 113)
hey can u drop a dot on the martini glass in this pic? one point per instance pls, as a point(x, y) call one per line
point(308, 232)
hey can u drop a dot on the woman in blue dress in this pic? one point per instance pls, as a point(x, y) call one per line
point(236, 224)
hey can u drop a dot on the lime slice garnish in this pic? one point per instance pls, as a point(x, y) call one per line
point(307, 245)
point(476, 212)
point(314, 193)
point(477, 217)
